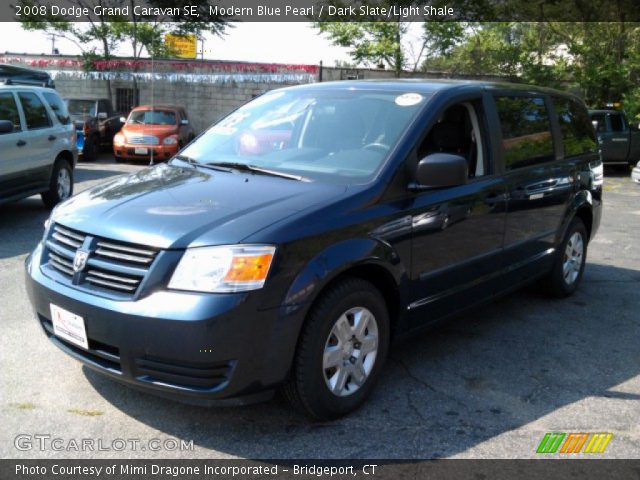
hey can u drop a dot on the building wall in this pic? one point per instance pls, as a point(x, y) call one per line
point(205, 103)
point(208, 90)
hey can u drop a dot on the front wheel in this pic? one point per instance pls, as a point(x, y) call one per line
point(568, 268)
point(60, 185)
point(341, 350)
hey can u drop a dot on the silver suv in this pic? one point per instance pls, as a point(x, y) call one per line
point(37, 145)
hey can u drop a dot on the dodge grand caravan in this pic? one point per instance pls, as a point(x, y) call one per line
point(292, 241)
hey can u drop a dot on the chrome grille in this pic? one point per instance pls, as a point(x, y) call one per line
point(142, 140)
point(68, 237)
point(111, 280)
point(112, 265)
point(125, 253)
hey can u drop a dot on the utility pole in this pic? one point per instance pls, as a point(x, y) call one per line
point(54, 50)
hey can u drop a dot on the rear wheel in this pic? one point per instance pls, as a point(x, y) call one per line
point(61, 184)
point(570, 261)
point(341, 351)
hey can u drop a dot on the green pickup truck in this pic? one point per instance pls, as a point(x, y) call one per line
point(619, 140)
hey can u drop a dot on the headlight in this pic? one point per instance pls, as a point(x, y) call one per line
point(118, 139)
point(172, 140)
point(237, 268)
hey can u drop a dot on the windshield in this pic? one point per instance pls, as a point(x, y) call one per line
point(152, 117)
point(81, 107)
point(334, 136)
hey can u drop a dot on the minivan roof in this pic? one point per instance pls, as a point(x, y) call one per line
point(429, 85)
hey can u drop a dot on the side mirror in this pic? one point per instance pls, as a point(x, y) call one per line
point(184, 121)
point(123, 120)
point(102, 115)
point(6, 126)
point(441, 170)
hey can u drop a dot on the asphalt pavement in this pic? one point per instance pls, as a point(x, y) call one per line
point(488, 384)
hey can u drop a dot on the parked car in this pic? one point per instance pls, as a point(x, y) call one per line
point(153, 130)
point(619, 140)
point(11, 75)
point(37, 145)
point(635, 173)
point(96, 123)
point(229, 272)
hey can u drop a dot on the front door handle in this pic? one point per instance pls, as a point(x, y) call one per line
point(51, 138)
point(21, 143)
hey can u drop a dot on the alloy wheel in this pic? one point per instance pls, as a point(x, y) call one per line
point(64, 184)
point(350, 351)
point(572, 261)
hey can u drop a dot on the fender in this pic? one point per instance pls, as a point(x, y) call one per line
point(311, 280)
point(338, 258)
point(581, 199)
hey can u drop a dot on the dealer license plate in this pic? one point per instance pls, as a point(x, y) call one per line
point(69, 326)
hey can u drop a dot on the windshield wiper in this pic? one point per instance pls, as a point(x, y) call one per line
point(253, 168)
point(192, 161)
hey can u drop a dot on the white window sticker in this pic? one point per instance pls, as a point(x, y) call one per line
point(408, 99)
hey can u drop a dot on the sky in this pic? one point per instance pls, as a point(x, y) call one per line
point(286, 42)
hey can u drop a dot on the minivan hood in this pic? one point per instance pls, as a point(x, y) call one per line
point(169, 206)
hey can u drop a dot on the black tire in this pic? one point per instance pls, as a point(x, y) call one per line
point(118, 159)
point(557, 284)
point(307, 389)
point(90, 150)
point(56, 193)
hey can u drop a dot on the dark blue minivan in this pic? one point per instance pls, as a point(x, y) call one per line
point(290, 243)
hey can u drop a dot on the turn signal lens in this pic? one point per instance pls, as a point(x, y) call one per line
point(249, 268)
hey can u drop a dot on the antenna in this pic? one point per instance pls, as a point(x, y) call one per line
point(153, 81)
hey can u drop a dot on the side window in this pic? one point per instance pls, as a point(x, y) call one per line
point(58, 107)
point(9, 110)
point(526, 131)
point(575, 127)
point(602, 121)
point(34, 111)
point(617, 122)
point(459, 130)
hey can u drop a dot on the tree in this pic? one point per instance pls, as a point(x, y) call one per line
point(144, 33)
point(370, 43)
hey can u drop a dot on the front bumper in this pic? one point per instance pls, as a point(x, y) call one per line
point(206, 349)
point(635, 174)
point(132, 152)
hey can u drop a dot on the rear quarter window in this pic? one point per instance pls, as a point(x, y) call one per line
point(526, 131)
point(576, 128)
point(58, 107)
point(34, 110)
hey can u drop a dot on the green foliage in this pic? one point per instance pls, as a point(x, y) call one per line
point(598, 60)
point(141, 32)
point(371, 43)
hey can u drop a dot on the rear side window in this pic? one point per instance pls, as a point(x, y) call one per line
point(58, 107)
point(576, 128)
point(526, 131)
point(34, 111)
point(617, 123)
point(9, 110)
